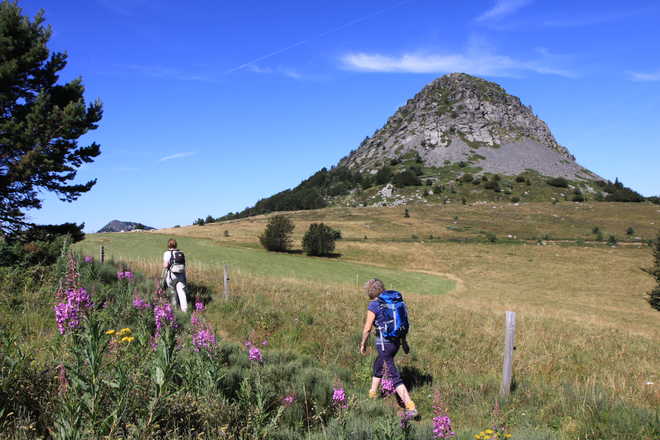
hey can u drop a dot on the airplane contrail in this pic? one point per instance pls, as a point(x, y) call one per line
point(321, 35)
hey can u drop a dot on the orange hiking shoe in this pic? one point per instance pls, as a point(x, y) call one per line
point(373, 394)
point(411, 409)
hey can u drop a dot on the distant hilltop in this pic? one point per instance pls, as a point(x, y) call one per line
point(120, 226)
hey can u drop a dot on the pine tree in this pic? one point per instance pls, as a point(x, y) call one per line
point(654, 295)
point(277, 236)
point(40, 120)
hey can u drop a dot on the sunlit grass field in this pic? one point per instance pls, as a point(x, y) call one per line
point(588, 344)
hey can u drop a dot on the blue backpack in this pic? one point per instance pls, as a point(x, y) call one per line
point(393, 323)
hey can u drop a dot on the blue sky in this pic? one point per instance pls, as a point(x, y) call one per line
point(209, 106)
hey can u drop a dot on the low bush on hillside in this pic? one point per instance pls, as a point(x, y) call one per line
point(277, 235)
point(617, 192)
point(319, 240)
point(558, 182)
point(406, 178)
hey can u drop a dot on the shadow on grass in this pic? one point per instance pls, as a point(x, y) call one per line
point(301, 252)
point(413, 377)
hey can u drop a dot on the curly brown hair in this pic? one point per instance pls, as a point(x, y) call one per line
point(171, 243)
point(374, 287)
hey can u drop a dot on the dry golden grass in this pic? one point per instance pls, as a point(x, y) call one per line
point(526, 221)
point(582, 318)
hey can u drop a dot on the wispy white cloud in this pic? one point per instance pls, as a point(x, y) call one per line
point(167, 73)
point(177, 156)
point(644, 76)
point(502, 8)
point(285, 71)
point(476, 60)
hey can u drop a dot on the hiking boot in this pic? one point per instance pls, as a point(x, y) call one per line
point(373, 394)
point(411, 410)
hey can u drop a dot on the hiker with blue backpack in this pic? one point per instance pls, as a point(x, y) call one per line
point(388, 315)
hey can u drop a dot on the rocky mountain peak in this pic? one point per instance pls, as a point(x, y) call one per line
point(459, 117)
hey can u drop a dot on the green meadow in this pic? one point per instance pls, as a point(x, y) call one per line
point(204, 254)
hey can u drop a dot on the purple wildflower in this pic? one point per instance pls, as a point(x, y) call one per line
point(204, 339)
point(248, 344)
point(441, 420)
point(339, 398)
point(88, 259)
point(164, 316)
point(386, 384)
point(194, 319)
point(264, 342)
point(125, 275)
point(69, 313)
point(288, 400)
point(255, 354)
point(140, 304)
point(199, 306)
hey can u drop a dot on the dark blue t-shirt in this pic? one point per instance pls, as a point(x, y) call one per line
point(374, 306)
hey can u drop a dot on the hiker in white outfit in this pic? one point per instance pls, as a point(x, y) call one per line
point(174, 273)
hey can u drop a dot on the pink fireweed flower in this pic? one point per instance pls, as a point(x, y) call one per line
point(441, 420)
point(140, 304)
point(199, 306)
point(255, 354)
point(248, 344)
point(69, 313)
point(204, 339)
point(125, 275)
point(264, 342)
point(164, 316)
point(387, 385)
point(339, 398)
point(194, 320)
point(88, 259)
point(288, 400)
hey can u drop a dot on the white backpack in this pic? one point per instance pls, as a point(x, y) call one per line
point(177, 262)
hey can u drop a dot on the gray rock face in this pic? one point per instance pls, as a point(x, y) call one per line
point(120, 226)
point(459, 117)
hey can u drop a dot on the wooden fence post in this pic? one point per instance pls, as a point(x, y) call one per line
point(226, 282)
point(509, 341)
point(102, 254)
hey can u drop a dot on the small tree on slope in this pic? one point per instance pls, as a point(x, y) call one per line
point(654, 295)
point(277, 235)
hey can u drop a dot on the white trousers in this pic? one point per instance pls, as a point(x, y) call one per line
point(177, 287)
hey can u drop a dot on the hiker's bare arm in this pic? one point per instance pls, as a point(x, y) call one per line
point(368, 323)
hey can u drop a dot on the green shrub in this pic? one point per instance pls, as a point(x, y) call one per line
point(630, 231)
point(467, 178)
point(277, 235)
point(406, 178)
point(558, 182)
point(319, 240)
point(406, 213)
point(492, 238)
point(515, 199)
point(595, 230)
point(611, 240)
point(520, 178)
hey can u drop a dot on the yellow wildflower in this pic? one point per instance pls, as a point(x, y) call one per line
point(489, 431)
point(127, 339)
point(507, 435)
point(110, 332)
point(125, 331)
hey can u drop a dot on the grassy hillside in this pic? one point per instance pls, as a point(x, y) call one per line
point(586, 364)
point(206, 255)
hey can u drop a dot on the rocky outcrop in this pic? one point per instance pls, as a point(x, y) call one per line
point(459, 117)
point(120, 226)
